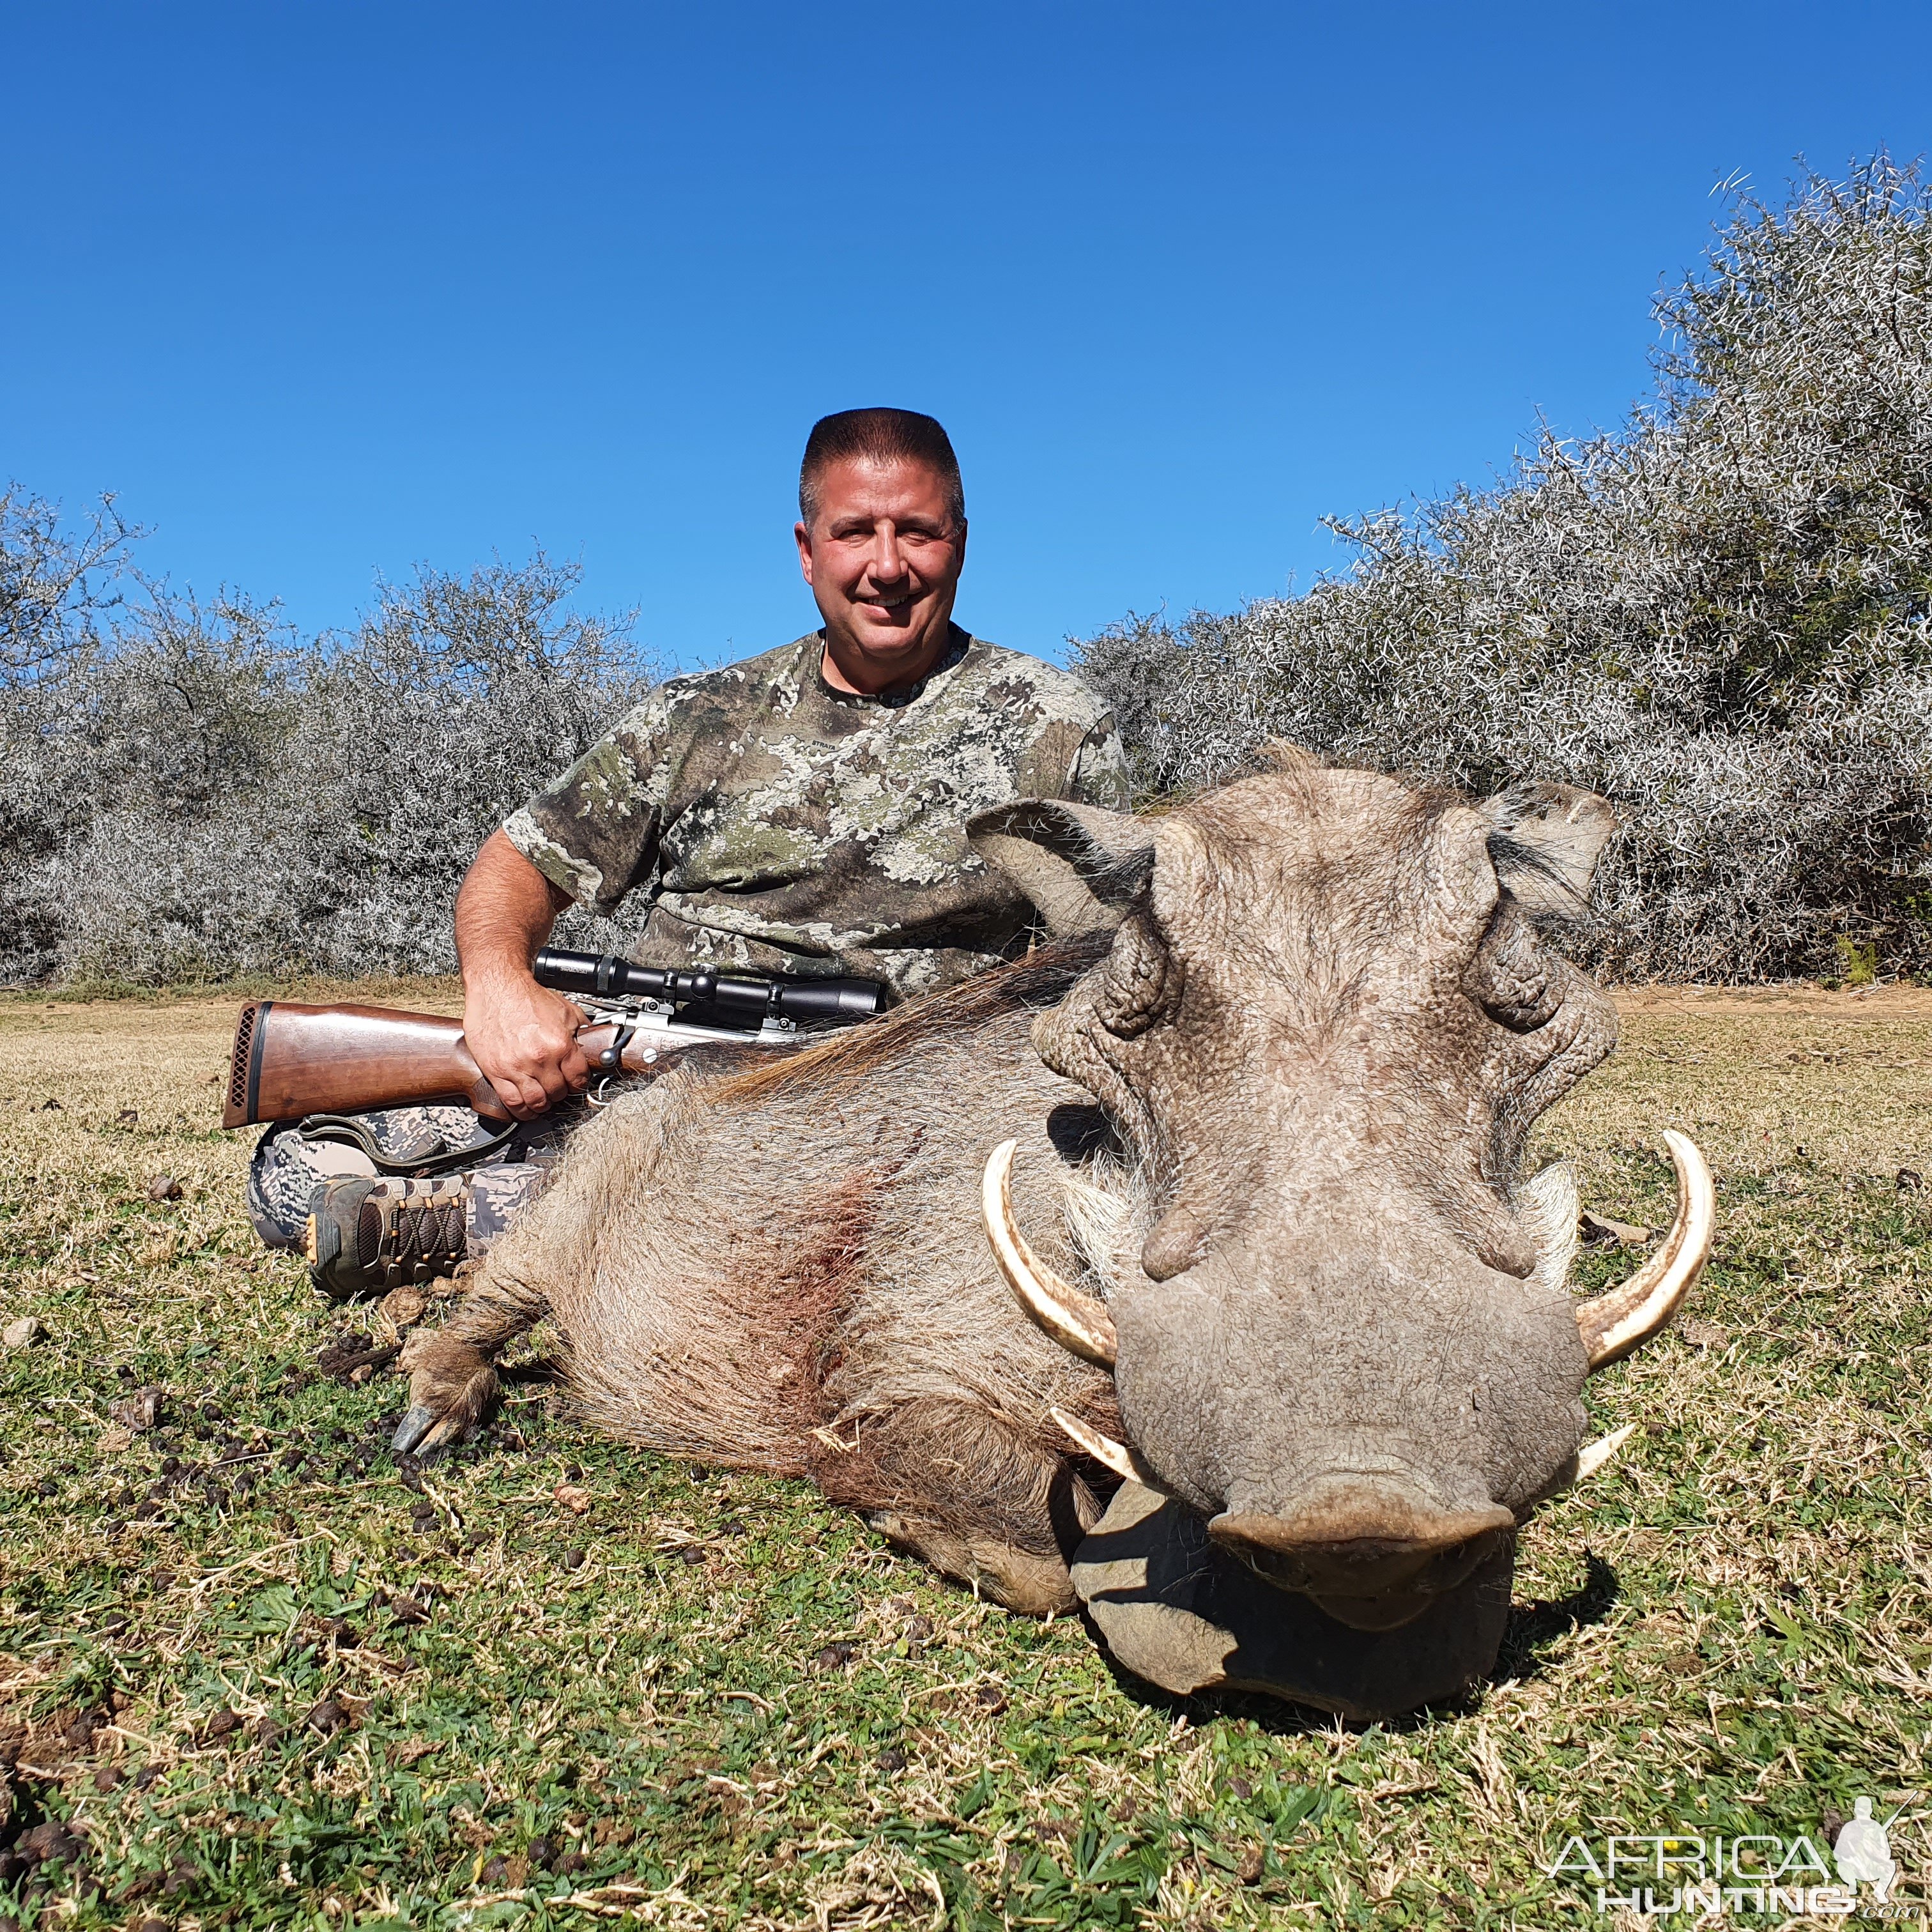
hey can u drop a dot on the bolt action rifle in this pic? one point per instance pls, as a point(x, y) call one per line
point(320, 1065)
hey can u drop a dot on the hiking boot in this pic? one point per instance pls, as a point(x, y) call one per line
point(367, 1237)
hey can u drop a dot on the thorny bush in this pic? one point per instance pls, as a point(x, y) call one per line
point(1721, 617)
point(189, 792)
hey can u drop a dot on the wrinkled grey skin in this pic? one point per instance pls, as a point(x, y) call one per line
point(1325, 1028)
point(1320, 1025)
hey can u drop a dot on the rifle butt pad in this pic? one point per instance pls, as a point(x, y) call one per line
point(289, 1060)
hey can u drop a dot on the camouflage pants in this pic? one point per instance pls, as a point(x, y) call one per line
point(286, 1168)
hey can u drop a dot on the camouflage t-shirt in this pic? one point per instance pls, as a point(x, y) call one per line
point(776, 823)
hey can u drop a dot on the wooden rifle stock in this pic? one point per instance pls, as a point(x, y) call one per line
point(290, 1060)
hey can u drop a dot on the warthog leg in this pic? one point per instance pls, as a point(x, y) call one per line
point(453, 1383)
point(980, 1503)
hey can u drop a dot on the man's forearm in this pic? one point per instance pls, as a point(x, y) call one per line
point(523, 1037)
point(503, 913)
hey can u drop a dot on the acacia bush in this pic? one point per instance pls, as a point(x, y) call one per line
point(1720, 616)
point(190, 792)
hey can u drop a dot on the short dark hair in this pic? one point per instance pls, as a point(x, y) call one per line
point(879, 435)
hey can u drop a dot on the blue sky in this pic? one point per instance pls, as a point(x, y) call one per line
point(324, 289)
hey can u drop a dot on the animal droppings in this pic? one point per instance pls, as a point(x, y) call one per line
point(404, 1305)
point(343, 1357)
point(22, 1334)
point(327, 1718)
point(45, 1843)
point(164, 1187)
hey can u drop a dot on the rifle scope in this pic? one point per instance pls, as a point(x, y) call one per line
point(735, 999)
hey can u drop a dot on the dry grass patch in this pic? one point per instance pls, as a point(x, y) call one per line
point(249, 1675)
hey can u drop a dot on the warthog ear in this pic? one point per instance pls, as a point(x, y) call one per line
point(1080, 866)
point(1544, 840)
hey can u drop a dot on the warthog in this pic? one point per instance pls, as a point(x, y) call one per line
point(1259, 1108)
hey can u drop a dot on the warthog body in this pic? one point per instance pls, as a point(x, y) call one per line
point(1269, 1096)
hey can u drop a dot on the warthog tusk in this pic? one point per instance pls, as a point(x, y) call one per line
point(1591, 1458)
point(1076, 1322)
point(1105, 1451)
point(1612, 1325)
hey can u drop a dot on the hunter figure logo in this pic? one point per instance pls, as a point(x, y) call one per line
point(1863, 1853)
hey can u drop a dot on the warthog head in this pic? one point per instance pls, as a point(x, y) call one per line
point(1339, 1329)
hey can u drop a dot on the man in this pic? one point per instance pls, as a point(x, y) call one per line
point(802, 811)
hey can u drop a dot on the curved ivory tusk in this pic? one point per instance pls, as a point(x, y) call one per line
point(1077, 1321)
point(1612, 1325)
point(1105, 1451)
point(1594, 1455)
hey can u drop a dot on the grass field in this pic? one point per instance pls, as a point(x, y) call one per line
point(249, 1676)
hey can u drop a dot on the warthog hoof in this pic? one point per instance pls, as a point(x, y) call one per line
point(1015, 1580)
point(452, 1388)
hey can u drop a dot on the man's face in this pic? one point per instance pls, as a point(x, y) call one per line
point(883, 558)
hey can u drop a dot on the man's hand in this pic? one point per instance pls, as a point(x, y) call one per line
point(524, 1038)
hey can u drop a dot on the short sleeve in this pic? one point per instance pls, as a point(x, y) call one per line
point(594, 831)
point(1099, 774)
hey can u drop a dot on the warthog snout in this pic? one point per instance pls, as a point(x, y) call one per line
point(1359, 1412)
point(1371, 1549)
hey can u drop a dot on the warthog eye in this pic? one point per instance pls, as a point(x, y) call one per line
point(1142, 981)
point(1512, 978)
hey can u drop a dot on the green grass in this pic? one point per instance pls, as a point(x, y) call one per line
point(302, 1692)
